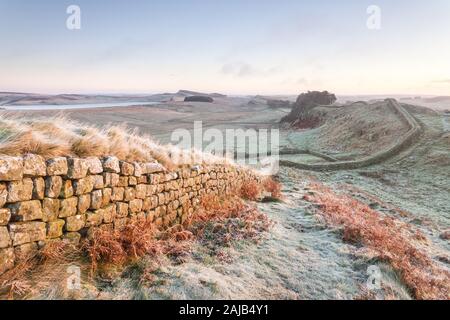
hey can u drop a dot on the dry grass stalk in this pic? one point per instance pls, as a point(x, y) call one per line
point(61, 137)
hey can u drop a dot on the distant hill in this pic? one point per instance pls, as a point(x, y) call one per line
point(187, 93)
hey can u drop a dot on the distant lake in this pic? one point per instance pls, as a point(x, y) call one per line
point(77, 106)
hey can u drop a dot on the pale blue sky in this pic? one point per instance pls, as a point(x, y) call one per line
point(231, 46)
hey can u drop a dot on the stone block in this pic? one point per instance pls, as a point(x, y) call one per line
point(66, 189)
point(77, 168)
point(107, 195)
point(34, 165)
point(53, 186)
point(96, 199)
point(11, 168)
point(21, 190)
point(129, 194)
point(126, 169)
point(84, 185)
point(117, 194)
point(5, 240)
point(94, 165)
point(5, 216)
point(135, 206)
point(121, 209)
point(26, 232)
point(57, 166)
point(50, 208)
point(94, 219)
point(111, 164)
point(84, 202)
point(111, 179)
point(55, 228)
point(38, 188)
point(98, 182)
point(26, 210)
point(68, 207)
point(75, 223)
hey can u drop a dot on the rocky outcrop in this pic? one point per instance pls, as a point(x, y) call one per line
point(66, 198)
point(199, 99)
point(305, 103)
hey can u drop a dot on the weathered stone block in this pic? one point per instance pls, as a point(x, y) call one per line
point(84, 202)
point(123, 181)
point(154, 167)
point(155, 202)
point(139, 169)
point(151, 190)
point(50, 208)
point(5, 240)
point(55, 229)
point(66, 189)
point(126, 169)
point(57, 166)
point(25, 251)
point(111, 164)
point(153, 179)
point(3, 194)
point(83, 186)
point(7, 259)
point(161, 198)
point(38, 188)
point(94, 219)
point(98, 182)
point(141, 191)
point(75, 223)
point(53, 186)
point(11, 168)
point(20, 190)
point(96, 199)
point(132, 181)
point(151, 216)
point(120, 223)
point(94, 165)
point(26, 210)
point(68, 207)
point(5, 216)
point(72, 237)
point(129, 194)
point(142, 180)
point(26, 232)
point(111, 179)
point(34, 165)
point(109, 213)
point(121, 209)
point(117, 194)
point(78, 168)
point(146, 204)
point(107, 194)
point(135, 206)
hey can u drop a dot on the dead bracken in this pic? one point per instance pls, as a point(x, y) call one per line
point(393, 241)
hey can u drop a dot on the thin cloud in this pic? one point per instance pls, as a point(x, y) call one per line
point(441, 81)
point(243, 69)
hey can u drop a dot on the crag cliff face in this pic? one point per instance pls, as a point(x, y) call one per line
point(305, 102)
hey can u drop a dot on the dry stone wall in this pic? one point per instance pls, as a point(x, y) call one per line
point(66, 198)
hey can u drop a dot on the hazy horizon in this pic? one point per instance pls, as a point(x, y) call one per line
point(233, 47)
